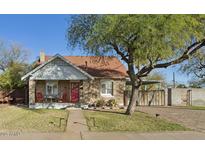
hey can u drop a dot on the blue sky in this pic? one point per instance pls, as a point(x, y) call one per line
point(47, 32)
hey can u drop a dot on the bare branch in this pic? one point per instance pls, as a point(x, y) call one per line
point(123, 56)
point(199, 75)
point(201, 64)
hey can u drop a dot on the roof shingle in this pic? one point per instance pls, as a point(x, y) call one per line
point(98, 66)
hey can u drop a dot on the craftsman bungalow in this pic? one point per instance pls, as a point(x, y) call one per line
point(62, 81)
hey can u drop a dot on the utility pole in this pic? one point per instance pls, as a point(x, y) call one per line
point(174, 82)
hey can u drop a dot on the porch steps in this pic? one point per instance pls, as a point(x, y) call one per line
point(73, 108)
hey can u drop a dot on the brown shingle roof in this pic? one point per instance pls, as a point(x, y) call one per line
point(98, 66)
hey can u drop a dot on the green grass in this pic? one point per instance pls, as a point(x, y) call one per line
point(32, 120)
point(138, 122)
point(195, 107)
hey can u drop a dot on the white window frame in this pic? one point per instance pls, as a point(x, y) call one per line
point(51, 83)
point(106, 82)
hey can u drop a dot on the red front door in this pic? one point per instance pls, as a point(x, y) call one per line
point(74, 92)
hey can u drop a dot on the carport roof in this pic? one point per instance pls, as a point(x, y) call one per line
point(146, 82)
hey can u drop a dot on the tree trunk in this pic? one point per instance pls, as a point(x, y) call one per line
point(133, 99)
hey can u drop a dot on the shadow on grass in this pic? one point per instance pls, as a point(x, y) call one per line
point(25, 107)
point(75, 122)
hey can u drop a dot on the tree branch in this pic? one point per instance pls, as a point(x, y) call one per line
point(189, 51)
point(201, 64)
point(123, 56)
point(199, 75)
point(2, 68)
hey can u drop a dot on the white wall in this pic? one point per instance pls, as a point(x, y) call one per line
point(198, 97)
point(180, 96)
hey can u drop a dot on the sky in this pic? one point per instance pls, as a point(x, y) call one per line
point(48, 33)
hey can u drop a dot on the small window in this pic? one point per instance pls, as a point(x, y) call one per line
point(51, 88)
point(107, 88)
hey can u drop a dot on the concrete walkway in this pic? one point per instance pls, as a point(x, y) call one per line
point(76, 125)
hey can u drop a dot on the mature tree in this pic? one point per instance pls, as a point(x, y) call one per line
point(181, 85)
point(11, 53)
point(143, 42)
point(196, 83)
point(11, 77)
point(12, 66)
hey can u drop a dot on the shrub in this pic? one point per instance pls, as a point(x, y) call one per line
point(112, 103)
point(100, 103)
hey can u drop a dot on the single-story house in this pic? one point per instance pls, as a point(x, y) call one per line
point(61, 81)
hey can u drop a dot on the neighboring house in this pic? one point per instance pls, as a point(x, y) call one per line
point(62, 81)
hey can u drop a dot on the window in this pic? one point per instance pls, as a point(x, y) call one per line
point(51, 88)
point(106, 88)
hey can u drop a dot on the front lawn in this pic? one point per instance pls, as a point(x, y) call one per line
point(195, 107)
point(138, 122)
point(32, 120)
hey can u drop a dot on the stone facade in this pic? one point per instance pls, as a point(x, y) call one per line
point(92, 90)
point(31, 88)
point(89, 90)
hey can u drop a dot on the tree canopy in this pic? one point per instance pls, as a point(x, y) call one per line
point(143, 42)
point(158, 37)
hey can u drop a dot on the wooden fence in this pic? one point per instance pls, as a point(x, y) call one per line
point(14, 96)
point(148, 98)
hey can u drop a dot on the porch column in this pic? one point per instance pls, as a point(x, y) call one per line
point(81, 98)
point(32, 85)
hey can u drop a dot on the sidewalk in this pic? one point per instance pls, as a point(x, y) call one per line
point(184, 135)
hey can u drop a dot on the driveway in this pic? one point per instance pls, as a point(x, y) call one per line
point(194, 119)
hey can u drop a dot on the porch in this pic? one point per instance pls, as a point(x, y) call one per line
point(54, 93)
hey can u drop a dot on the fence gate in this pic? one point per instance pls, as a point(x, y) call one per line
point(148, 98)
point(152, 98)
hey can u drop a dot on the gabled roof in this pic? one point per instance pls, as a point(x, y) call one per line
point(98, 66)
point(50, 60)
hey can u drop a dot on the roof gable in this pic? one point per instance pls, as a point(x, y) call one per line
point(57, 68)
